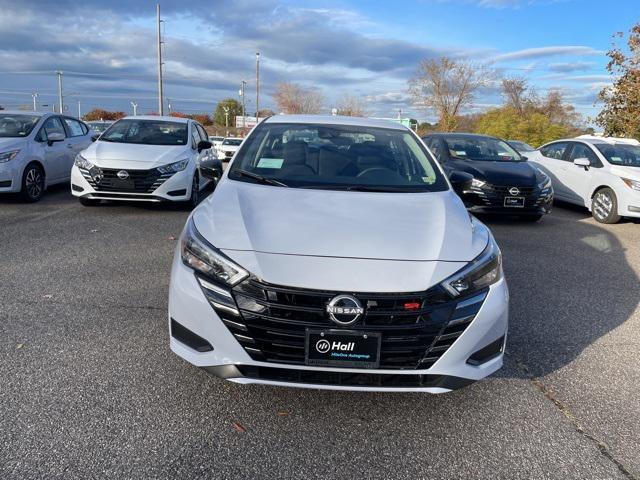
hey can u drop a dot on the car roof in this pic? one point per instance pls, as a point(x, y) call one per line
point(595, 140)
point(335, 120)
point(164, 118)
point(25, 112)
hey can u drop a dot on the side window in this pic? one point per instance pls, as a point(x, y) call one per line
point(554, 150)
point(74, 127)
point(580, 150)
point(52, 125)
point(195, 136)
point(85, 128)
point(436, 148)
point(202, 132)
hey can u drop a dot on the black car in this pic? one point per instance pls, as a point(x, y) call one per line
point(503, 180)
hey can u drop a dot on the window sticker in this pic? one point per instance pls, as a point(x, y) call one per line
point(460, 152)
point(270, 162)
point(616, 159)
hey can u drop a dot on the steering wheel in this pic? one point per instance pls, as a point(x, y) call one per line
point(372, 169)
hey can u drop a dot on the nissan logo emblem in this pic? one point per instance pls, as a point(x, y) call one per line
point(344, 309)
point(123, 174)
point(514, 191)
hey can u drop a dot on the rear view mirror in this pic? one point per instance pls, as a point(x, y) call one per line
point(204, 145)
point(55, 137)
point(211, 169)
point(460, 181)
point(582, 162)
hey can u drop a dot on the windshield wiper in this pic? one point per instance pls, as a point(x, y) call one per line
point(380, 188)
point(259, 178)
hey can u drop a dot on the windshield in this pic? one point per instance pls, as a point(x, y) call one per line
point(623, 155)
point(521, 146)
point(216, 139)
point(16, 126)
point(234, 142)
point(146, 132)
point(336, 157)
point(481, 149)
point(98, 126)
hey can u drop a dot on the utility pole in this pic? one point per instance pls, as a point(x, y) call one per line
point(60, 100)
point(244, 113)
point(257, 85)
point(79, 111)
point(34, 96)
point(160, 93)
point(135, 108)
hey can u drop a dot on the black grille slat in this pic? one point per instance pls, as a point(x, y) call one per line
point(144, 181)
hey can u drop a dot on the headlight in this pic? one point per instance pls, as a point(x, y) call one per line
point(545, 183)
point(477, 183)
point(174, 167)
point(484, 270)
point(632, 184)
point(83, 163)
point(203, 257)
point(7, 156)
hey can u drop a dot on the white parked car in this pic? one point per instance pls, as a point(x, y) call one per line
point(602, 174)
point(315, 265)
point(144, 158)
point(216, 141)
point(37, 150)
point(228, 148)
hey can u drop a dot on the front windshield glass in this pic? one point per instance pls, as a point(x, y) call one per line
point(521, 146)
point(481, 149)
point(623, 155)
point(234, 142)
point(16, 126)
point(99, 126)
point(146, 132)
point(337, 157)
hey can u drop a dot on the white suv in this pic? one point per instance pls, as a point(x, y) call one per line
point(603, 174)
point(336, 254)
point(37, 150)
point(144, 158)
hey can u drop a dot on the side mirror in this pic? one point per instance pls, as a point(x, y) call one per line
point(204, 145)
point(582, 162)
point(211, 169)
point(460, 181)
point(55, 137)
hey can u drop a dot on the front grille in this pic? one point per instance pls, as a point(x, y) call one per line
point(493, 196)
point(139, 181)
point(270, 322)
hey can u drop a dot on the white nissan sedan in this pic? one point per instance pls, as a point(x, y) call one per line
point(602, 174)
point(144, 158)
point(336, 254)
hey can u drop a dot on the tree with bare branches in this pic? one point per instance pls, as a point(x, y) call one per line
point(352, 106)
point(293, 98)
point(621, 113)
point(447, 86)
point(514, 92)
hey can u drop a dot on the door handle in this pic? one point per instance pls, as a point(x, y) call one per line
point(69, 145)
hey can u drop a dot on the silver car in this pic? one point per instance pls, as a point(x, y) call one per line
point(336, 254)
point(37, 150)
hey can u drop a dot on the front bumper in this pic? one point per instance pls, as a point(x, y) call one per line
point(173, 188)
point(224, 355)
point(11, 176)
point(491, 200)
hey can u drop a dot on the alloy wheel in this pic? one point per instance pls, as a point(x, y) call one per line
point(602, 205)
point(34, 183)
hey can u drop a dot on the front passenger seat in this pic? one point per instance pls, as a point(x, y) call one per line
point(294, 155)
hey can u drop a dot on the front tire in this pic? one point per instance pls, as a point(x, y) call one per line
point(195, 193)
point(32, 183)
point(604, 206)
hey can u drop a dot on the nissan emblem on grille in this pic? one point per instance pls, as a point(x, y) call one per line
point(344, 309)
point(514, 191)
point(123, 174)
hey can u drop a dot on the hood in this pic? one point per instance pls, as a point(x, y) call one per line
point(632, 173)
point(517, 174)
point(241, 216)
point(8, 144)
point(128, 155)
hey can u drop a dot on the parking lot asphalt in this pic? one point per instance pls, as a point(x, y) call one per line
point(90, 389)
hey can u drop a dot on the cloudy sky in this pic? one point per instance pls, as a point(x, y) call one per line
point(106, 48)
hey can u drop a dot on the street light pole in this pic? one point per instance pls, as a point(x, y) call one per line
point(135, 108)
point(60, 100)
point(79, 111)
point(257, 86)
point(34, 96)
point(160, 93)
point(244, 113)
